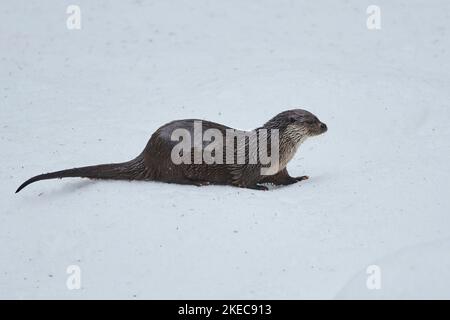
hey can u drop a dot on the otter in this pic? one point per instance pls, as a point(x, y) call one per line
point(155, 163)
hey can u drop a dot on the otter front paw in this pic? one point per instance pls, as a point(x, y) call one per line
point(257, 187)
point(286, 181)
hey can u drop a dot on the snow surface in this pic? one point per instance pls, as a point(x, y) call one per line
point(380, 178)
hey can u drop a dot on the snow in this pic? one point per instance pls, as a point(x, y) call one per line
point(379, 178)
point(422, 271)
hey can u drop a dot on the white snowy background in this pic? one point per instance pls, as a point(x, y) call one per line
point(380, 179)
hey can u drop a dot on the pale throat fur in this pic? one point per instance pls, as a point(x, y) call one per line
point(290, 139)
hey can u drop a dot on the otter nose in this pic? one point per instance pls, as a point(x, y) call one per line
point(323, 126)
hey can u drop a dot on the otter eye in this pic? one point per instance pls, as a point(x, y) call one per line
point(310, 122)
point(292, 119)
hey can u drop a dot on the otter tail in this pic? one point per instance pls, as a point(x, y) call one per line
point(131, 170)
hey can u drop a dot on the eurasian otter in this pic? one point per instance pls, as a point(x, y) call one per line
point(156, 162)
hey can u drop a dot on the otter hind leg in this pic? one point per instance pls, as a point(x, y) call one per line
point(254, 187)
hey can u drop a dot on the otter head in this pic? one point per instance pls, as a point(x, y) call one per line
point(297, 124)
point(306, 121)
